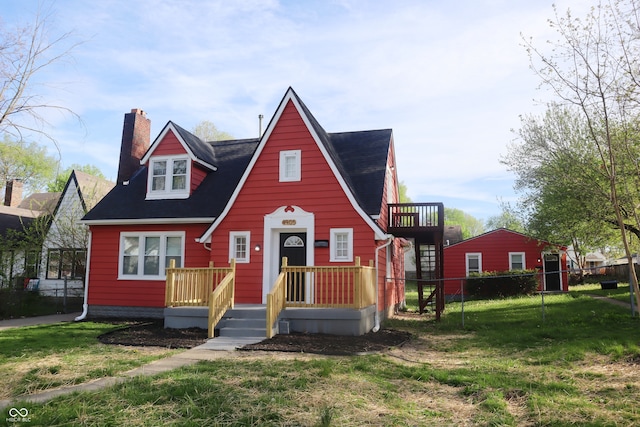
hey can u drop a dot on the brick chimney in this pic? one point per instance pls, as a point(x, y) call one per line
point(13, 193)
point(136, 138)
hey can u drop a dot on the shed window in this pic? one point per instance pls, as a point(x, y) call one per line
point(474, 263)
point(516, 261)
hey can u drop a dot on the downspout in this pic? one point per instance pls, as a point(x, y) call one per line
point(376, 326)
point(85, 305)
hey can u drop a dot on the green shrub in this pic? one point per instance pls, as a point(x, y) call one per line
point(500, 284)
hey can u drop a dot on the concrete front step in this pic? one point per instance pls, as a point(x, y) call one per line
point(242, 321)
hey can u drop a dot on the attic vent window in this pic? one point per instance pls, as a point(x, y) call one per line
point(168, 178)
point(290, 166)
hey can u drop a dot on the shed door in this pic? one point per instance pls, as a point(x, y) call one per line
point(294, 247)
point(552, 272)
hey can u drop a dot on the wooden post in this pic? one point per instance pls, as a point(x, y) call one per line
point(170, 284)
point(233, 281)
point(357, 291)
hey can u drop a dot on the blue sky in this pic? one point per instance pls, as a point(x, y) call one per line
point(449, 77)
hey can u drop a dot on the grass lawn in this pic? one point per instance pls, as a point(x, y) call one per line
point(38, 358)
point(621, 293)
point(509, 365)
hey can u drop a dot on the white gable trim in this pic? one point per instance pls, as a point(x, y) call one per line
point(289, 96)
point(156, 142)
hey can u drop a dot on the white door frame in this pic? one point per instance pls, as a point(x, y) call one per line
point(285, 219)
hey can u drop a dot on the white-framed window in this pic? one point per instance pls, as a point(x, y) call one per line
point(240, 246)
point(290, 165)
point(168, 177)
point(145, 256)
point(341, 245)
point(517, 261)
point(473, 263)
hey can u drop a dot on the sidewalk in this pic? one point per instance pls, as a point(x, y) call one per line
point(38, 320)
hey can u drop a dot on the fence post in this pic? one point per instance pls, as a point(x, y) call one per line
point(462, 300)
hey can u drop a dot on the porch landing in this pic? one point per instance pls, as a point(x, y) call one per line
point(249, 320)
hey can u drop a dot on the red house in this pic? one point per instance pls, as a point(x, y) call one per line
point(322, 200)
point(503, 250)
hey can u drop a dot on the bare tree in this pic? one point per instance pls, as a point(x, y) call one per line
point(593, 66)
point(25, 51)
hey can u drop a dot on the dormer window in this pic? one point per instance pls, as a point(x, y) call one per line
point(168, 178)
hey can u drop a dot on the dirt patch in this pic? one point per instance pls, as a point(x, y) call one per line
point(153, 333)
point(371, 342)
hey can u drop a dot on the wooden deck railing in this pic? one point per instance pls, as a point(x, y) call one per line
point(415, 217)
point(193, 286)
point(321, 287)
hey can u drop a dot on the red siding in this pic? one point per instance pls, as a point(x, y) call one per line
point(104, 286)
point(318, 192)
point(495, 247)
point(169, 146)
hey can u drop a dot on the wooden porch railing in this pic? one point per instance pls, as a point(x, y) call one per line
point(222, 298)
point(321, 287)
point(193, 286)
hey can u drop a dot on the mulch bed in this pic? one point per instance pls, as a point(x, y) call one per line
point(153, 333)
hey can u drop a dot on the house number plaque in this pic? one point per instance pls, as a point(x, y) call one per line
point(288, 222)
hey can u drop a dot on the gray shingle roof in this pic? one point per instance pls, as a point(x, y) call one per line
point(360, 157)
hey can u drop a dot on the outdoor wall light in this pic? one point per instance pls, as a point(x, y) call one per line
point(257, 248)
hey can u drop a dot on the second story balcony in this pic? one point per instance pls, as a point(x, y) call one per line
point(412, 219)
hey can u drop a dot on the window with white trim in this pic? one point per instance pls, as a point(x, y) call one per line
point(290, 165)
point(147, 255)
point(341, 245)
point(239, 246)
point(168, 178)
point(516, 261)
point(473, 263)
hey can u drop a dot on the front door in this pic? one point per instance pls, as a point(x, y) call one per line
point(293, 246)
point(552, 273)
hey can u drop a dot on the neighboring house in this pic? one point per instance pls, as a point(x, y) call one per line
point(503, 250)
point(64, 250)
point(594, 262)
point(317, 198)
point(21, 250)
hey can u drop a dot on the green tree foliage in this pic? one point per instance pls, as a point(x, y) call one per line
point(469, 225)
point(593, 69)
point(564, 194)
point(207, 131)
point(57, 185)
point(26, 161)
point(402, 190)
point(508, 218)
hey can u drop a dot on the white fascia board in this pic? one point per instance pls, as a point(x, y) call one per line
point(148, 221)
